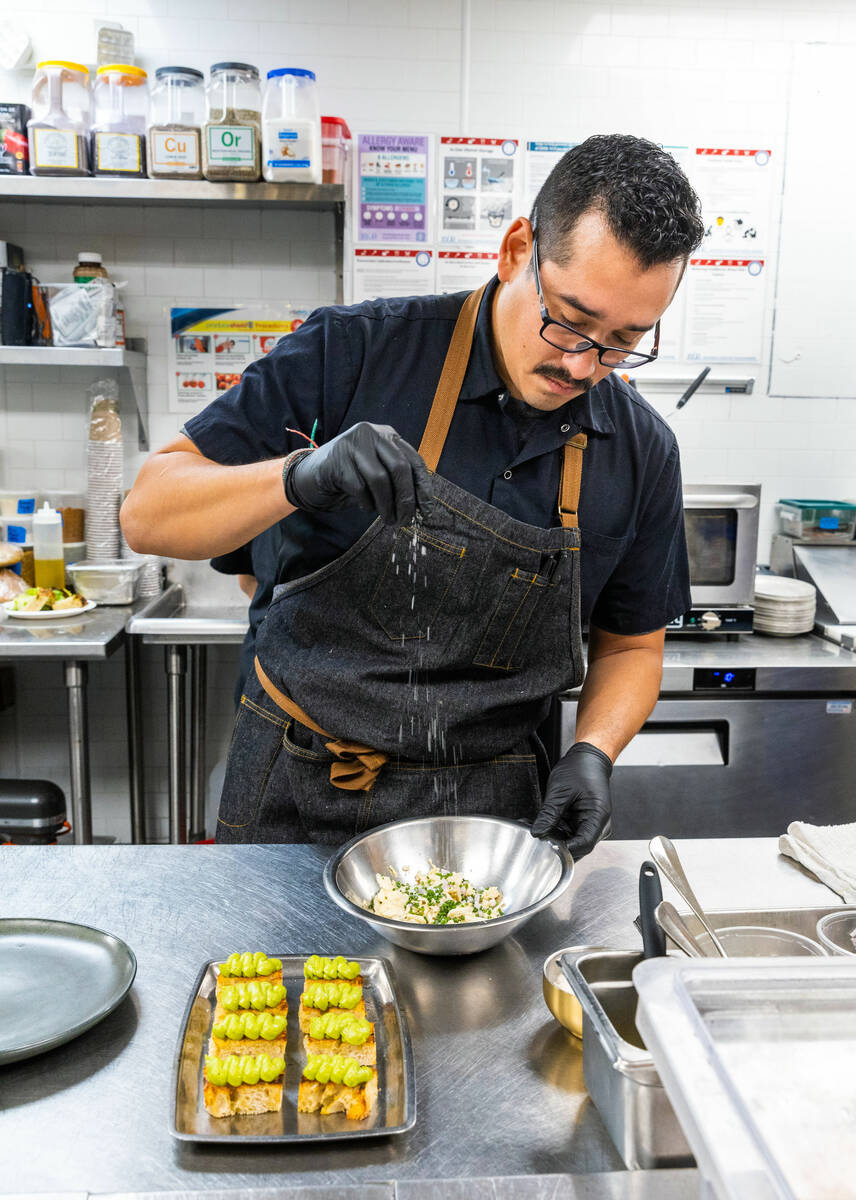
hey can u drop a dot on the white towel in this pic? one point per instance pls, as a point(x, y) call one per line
point(829, 851)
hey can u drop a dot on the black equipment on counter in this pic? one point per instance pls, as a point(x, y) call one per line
point(16, 307)
point(650, 895)
point(32, 811)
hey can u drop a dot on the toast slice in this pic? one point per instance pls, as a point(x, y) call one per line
point(248, 1034)
point(322, 996)
point(343, 1035)
point(244, 968)
point(254, 995)
point(243, 1085)
point(318, 967)
point(335, 1090)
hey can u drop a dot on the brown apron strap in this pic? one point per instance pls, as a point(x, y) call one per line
point(451, 379)
point(569, 487)
point(356, 767)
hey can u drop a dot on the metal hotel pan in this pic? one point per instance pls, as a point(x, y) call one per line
point(619, 1072)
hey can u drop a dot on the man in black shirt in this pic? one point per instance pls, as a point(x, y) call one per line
point(428, 603)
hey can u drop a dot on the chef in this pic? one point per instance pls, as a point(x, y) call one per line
point(460, 483)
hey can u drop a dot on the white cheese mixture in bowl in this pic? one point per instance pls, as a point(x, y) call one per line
point(434, 897)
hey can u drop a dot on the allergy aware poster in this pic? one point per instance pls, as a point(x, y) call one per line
point(392, 188)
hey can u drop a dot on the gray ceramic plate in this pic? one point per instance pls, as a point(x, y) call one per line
point(396, 1108)
point(83, 975)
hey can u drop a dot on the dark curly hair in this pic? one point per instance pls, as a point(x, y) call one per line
point(644, 195)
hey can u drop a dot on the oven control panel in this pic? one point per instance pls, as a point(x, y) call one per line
point(713, 620)
point(724, 679)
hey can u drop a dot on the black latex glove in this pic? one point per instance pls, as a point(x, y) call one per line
point(577, 808)
point(370, 466)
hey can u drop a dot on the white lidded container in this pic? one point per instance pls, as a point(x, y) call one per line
point(59, 129)
point(291, 127)
point(110, 582)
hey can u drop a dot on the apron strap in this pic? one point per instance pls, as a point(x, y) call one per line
point(356, 767)
point(451, 379)
point(571, 478)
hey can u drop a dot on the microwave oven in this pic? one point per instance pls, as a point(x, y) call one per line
point(721, 522)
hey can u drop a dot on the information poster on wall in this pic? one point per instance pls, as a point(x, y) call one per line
point(478, 183)
point(378, 271)
point(541, 157)
point(210, 348)
point(392, 189)
point(725, 309)
point(464, 270)
point(727, 279)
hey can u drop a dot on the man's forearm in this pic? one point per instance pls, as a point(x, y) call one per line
point(186, 506)
point(620, 690)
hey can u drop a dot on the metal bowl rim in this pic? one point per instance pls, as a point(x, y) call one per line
point(561, 885)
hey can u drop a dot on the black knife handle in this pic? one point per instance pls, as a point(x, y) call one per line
point(650, 895)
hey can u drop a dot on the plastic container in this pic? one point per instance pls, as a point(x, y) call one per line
point(47, 548)
point(120, 100)
point(12, 503)
point(758, 1059)
point(335, 149)
point(232, 133)
point(820, 520)
point(17, 528)
point(176, 115)
point(58, 131)
point(837, 931)
point(110, 582)
point(291, 127)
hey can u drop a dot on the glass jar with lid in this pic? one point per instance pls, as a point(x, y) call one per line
point(176, 114)
point(230, 143)
point(120, 100)
point(58, 131)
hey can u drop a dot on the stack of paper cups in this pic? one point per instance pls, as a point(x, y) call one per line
point(104, 463)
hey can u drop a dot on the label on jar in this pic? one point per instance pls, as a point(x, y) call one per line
point(117, 152)
point(231, 145)
point(289, 148)
point(55, 148)
point(174, 148)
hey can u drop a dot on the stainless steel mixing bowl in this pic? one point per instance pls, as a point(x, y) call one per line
point(530, 873)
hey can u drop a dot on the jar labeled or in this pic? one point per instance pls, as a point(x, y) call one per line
point(335, 143)
point(120, 99)
point(47, 548)
point(291, 127)
point(231, 138)
point(89, 267)
point(58, 131)
point(176, 113)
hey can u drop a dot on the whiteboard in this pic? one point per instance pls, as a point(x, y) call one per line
point(814, 332)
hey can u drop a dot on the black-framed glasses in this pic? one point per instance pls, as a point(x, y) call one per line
point(571, 341)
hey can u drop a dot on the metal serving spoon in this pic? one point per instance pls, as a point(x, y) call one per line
point(665, 856)
point(672, 923)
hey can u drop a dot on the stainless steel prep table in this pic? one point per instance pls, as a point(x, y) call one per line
point(105, 1097)
point(185, 630)
point(93, 635)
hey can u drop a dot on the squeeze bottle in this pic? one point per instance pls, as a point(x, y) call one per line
point(47, 548)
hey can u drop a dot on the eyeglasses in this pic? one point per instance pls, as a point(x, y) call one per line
point(571, 341)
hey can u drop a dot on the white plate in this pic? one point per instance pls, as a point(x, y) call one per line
point(780, 587)
point(65, 614)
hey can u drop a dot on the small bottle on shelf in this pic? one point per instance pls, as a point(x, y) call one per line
point(47, 548)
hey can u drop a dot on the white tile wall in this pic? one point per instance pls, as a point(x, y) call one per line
point(542, 68)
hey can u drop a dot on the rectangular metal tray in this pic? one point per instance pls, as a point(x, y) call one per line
point(394, 1112)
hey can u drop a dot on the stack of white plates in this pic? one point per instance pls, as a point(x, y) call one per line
point(103, 498)
point(784, 607)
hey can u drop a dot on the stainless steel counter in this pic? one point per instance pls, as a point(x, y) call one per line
point(174, 620)
point(805, 663)
point(93, 1115)
point(95, 634)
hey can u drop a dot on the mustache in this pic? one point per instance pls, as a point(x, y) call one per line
point(550, 372)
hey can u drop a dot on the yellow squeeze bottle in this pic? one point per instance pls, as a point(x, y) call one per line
point(48, 559)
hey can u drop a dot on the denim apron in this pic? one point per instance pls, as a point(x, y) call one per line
point(408, 676)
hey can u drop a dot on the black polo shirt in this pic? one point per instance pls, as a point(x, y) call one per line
point(380, 361)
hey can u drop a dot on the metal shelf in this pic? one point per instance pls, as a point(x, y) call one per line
point(85, 189)
point(129, 360)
